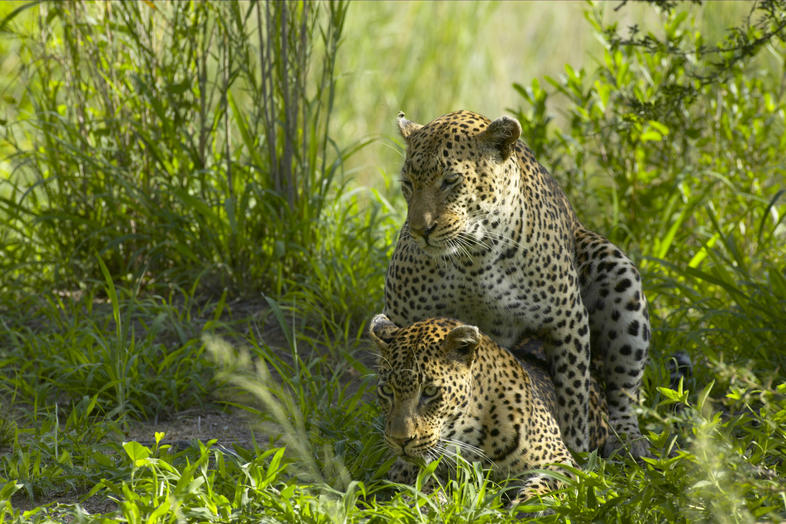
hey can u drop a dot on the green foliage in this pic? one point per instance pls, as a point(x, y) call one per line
point(133, 359)
point(674, 150)
point(708, 476)
point(346, 276)
point(64, 452)
point(301, 398)
point(173, 140)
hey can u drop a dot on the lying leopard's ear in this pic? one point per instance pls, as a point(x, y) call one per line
point(502, 134)
point(406, 127)
point(382, 330)
point(461, 343)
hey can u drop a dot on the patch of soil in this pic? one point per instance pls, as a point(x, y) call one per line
point(180, 430)
point(196, 424)
point(60, 507)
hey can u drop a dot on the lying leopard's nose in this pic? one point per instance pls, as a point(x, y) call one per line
point(401, 441)
point(421, 220)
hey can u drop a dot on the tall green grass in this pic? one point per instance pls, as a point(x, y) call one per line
point(132, 357)
point(173, 140)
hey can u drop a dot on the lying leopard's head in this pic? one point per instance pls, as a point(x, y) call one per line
point(424, 383)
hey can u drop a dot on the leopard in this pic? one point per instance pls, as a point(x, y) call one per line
point(491, 239)
point(446, 390)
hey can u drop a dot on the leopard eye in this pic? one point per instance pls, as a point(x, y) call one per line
point(450, 180)
point(385, 391)
point(430, 391)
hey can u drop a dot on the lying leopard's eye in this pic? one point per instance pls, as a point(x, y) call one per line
point(406, 187)
point(384, 390)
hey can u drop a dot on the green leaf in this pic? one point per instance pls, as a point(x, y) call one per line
point(161, 510)
point(136, 451)
point(702, 398)
point(672, 395)
point(112, 293)
point(651, 135)
point(659, 127)
point(9, 488)
point(13, 14)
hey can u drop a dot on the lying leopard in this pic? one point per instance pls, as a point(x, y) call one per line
point(444, 386)
point(491, 239)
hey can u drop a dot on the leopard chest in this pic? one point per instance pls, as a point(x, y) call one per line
point(506, 289)
point(500, 299)
point(494, 293)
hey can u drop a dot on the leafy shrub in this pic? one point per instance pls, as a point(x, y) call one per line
point(674, 150)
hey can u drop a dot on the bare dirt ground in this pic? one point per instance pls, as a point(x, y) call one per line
point(196, 424)
point(185, 427)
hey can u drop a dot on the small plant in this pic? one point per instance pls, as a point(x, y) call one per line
point(7, 431)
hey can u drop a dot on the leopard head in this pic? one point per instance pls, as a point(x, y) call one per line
point(459, 170)
point(424, 373)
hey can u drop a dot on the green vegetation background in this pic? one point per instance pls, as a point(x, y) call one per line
point(198, 201)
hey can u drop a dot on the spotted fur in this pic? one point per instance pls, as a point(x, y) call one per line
point(446, 387)
point(491, 239)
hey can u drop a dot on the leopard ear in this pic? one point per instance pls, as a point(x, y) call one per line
point(502, 134)
point(382, 330)
point(461, 343)
point(406, 127)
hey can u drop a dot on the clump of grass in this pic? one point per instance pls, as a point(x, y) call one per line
point(348, 273)
point(7, 430)
point(63, 453)
point(170, 141)
point(120, 353)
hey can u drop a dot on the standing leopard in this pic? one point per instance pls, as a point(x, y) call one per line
point(491, 239)
point(444, 387)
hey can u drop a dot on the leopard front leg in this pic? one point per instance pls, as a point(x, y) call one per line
point(567, 347)
point(540, 484)
point(535, 486)
point(403, 472)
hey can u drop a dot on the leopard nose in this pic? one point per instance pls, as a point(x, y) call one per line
point(423, 231)
point(401, 441)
